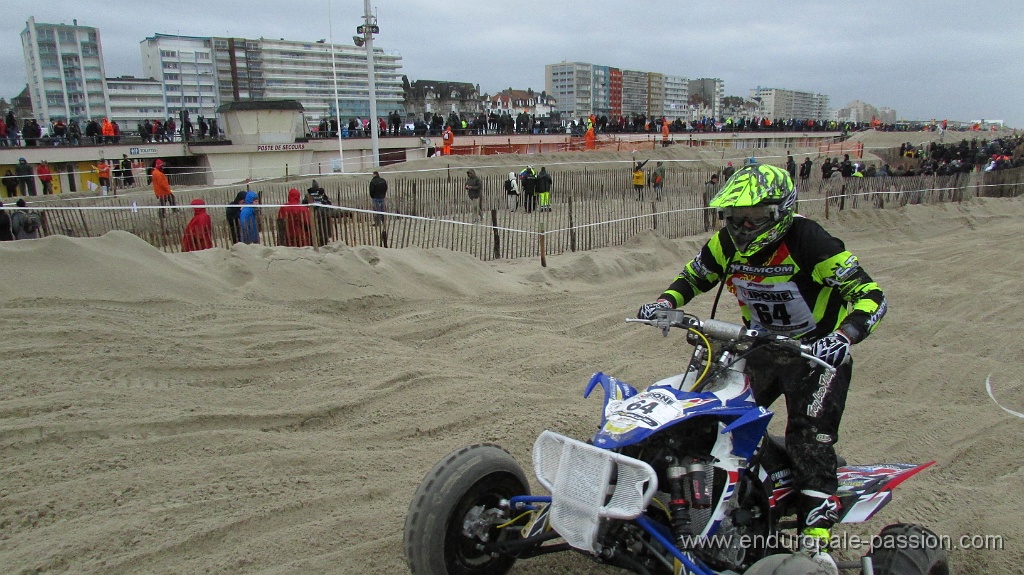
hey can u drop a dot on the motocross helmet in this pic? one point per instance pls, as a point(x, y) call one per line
point(757, 205)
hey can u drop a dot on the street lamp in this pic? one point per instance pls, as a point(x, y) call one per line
point(368, 29)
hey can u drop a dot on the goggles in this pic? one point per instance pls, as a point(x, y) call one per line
point(751, 216)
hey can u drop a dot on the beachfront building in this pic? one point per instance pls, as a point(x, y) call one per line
point(183, 65)
point(514, 102)
point(779, 104)
point(432, 97)
point(705, 96)
point(133, 100)
point(64, 68)
point(307, 72)
point(582, 89)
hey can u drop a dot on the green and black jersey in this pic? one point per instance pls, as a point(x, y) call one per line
point(805, 288)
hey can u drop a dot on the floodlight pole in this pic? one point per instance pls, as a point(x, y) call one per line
point(368, 28)
point(337, 102)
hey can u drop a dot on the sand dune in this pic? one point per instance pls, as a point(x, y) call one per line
point(271, 410)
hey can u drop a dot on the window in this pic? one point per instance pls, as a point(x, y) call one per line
point(168, 54)
point(171, 77)
point(170, 65)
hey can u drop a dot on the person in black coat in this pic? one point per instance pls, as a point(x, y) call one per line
point(233, 213)
point(5, 226)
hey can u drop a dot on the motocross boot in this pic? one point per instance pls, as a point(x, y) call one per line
point(817, 512)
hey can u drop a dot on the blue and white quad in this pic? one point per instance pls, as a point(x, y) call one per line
point(681, 478)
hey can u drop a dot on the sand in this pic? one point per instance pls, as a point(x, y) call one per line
point(272, 410)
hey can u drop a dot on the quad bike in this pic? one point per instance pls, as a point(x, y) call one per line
point(681, 478)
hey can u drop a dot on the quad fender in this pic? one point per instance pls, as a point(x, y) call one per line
point(864, 489)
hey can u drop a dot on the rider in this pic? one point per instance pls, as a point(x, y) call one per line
point(791, 278)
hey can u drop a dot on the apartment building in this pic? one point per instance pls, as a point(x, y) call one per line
point(265, 69)
point(583, 89)
point(64, 69)
point(776, 103)
point(183, 66)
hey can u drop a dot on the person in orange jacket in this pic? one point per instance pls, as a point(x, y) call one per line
point(199, 230)
point(161, 187)
point(107, 130)
point(448, 137)
point(590, 138)
point(103, 172)
point(664, 132)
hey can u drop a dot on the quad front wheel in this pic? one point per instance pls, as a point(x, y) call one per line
point(452, 512)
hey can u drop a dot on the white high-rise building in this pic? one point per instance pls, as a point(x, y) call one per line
point(267, 69)
point(184, 68)
point(779, 104)
point(64, 68)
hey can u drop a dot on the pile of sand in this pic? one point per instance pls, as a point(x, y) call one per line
point(272, 410)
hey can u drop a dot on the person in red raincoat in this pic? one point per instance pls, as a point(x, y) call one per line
point(199, 230)
point(294, 222)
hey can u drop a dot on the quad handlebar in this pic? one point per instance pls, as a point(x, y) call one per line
point(726, 331)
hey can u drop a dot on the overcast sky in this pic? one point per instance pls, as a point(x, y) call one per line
point(937, 59)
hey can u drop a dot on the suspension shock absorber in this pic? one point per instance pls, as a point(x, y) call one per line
point(697, 482)
point(679, 504)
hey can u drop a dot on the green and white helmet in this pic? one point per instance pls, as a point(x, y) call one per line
point(757, 205)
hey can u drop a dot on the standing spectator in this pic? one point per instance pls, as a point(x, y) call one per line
point(710, 189)
point(475, 189)
point(316, 195)
point(10, 182)
point(658, 179)
point(29, 134)
point(805, 169)
point(233, 214)
point(293, 222)
point(92, 131)
point(512, 191)
point(199, 230)
point(3, 134)
point(107, 131)
point(204, 127)
point(544, 189)
point(826, 169)
point(248, 219)
point(6, 235)
point(664, 134)
point(728, 172)
point(791, 167)
point(74, 133)
point(161, 186)
point(448, 137)
point(25, 223)
point(528, 179)
point(103, 172)
point(378, 193)
point(127, 178)
point(639, 179)
point(12, 128)
point(590, 139)
point(45, 177)
point(846, 167)
point(26, 179)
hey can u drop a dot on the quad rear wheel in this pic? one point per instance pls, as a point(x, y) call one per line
point(444, 526)
point(908, 549)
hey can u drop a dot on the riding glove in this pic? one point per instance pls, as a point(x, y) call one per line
point(833, 348)
point(648, 310)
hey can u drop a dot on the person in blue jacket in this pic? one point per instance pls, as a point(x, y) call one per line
point(249, 229)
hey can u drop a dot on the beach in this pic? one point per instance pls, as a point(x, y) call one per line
point(272, 410)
